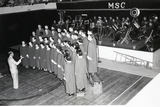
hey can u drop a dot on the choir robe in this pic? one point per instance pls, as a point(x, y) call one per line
point(39, 31)
point(82, 49)
point(55, 59)
point(24, 52)
point(37, 55)
point(85, 45)
point(62, 66)
point(80, 73)
point(52, 58)
point(92, 53)
point(31, 53)
point(42, 58)
point(69, 77)
point(59, 59)
point(48, 59)
point(73, 55)
point(48, 33)
point(55, 36)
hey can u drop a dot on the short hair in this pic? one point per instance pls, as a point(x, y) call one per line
point(10, 52)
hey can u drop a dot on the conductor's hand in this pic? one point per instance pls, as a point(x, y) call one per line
point(21, 57)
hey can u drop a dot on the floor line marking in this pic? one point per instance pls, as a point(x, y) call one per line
point(125, 91)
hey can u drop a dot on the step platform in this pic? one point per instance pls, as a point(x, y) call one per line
point(96, 83)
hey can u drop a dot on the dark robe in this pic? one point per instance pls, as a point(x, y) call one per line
point(47, 34)
point(40, 32)
point(69, 78)
point(80, 73)
point(24, 52)
point(59, 58)
point(55, 36)
point(62, 63)
point(92, 53)
point(42, 58)
point(85, 45)
point(31, 53)
point(37, 55)
point(52, 58)
point(55, 57)
point(48, 59)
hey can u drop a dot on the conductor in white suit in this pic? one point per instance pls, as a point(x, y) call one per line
point(13, 68)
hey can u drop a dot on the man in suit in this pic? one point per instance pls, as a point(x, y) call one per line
point(13, 68)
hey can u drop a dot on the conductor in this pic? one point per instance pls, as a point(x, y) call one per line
point(13, 68)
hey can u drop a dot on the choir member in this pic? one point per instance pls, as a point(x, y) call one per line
point(42, 57)
point(85, 42)
point(53, 50)
point(92, 55)
point(55, 59)
point(48, 58)
point(40, 31)
point(54, 35)
point(59, 68)
point(80, 42)
point(69, 76)
point(64, 37)
point(33, 35)
point(13, 68)
point(24, 53)
point(51, 40)
point(40, 39)
point(45, 41)
point(33, 40)
point(37, 56)
point(47, 32)
point(31, 53)
point(80, 71)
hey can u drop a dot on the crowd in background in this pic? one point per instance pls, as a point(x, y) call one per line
point(11, 3)
point(118, 28)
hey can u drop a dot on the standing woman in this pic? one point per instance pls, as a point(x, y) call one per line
point(69, 76)
point(31, 53)
point(80, 71)
point(52, 58)
point(13, 68)
point(48, 58)
point(24, 53)
point(37, 56)
point(42, 57)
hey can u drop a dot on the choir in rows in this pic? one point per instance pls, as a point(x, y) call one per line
point(68, 53)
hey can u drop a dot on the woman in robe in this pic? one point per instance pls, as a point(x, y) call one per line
point(24, 53)
point(48, 58)
point(52, 57)
point(69, 76)
point(37, 56)
point(59, 58)
point(92, 55)
point(42, 57)
point(80, 71)
point(31, 53)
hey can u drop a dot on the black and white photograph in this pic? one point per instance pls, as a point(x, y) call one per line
point(80, 53)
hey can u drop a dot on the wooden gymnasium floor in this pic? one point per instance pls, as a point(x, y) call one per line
point(43, 88)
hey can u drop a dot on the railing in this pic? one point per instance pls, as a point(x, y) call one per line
point(132, 60)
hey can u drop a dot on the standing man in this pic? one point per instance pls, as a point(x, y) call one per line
point(13, 68)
